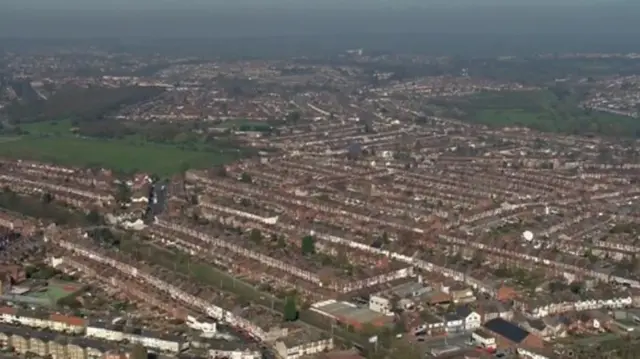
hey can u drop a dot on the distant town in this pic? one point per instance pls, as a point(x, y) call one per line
point(363, 206)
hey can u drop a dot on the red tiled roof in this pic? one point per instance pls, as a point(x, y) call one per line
point(75, 321)
point(8, 310)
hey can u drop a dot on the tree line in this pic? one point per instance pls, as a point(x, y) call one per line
point(91, 103)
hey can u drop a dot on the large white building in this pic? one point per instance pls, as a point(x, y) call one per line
point(381, 305)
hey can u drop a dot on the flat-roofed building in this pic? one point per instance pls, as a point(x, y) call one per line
point(351, 314)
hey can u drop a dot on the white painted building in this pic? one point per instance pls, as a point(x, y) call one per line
point(484, 339)
point(294, 346)
point(234, 354)
point(202, 324)
point(381, 305)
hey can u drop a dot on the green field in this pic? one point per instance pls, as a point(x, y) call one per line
point(120, 155)
point(543, 111)
point(54, 142)
point(57, 290)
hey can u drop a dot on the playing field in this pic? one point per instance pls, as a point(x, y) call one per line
point(57, 290)
point(116, 154)
point(542, 110)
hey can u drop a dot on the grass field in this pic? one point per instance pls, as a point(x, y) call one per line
point(57, 290)
point(544, 111)
point(54, 142)
point(121, 155)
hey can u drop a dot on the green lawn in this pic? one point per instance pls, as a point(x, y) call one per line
point(507, 118)
point(542, 110)
point(122, 155)
point(243, 124)
point(58, 128)
point(53, 141)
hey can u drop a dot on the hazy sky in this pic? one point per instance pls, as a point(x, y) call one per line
point(325, 4)
point(230, 18)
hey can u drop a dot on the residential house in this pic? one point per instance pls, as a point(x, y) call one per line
point(202, 324)
point(161, 342)
point(427, 324)
point(41, 320)
point(410, 290)
point(67, 324)
point(491, 309)
point(20, 341)
point(437, 297)
point(4, 339)
point(484, 338)
point(472, 320)
point(115, 354)
point(96, 349)
point(538, 327)
point(557, 328)
point(301, 343)
point(536, 353)
point(460, 293)
point(5, 283)
point(454, 323)
point(75, 349)
point(58, 348)
point(509, 335)
point(596, 320)
point(101, 329)
point(39, 342)
point(234, 353)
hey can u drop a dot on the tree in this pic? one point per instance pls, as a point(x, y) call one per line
point(385, 237)
point(400, 325)
point(478, 259)
point(123, 193)
point(93, 217)
point(308, 245)
point(290, 309)
point(255, 236)
point(590, 256)
point(293, 117)
point(575, 287)
point(138, 352)
point(281, 242)
point(47, 198)
point(246, 178)
point(451, 307)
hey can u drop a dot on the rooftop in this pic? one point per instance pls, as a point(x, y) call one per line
point(507, 330)
point(348, 312)
point(303, 336)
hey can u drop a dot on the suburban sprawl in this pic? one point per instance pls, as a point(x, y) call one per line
point(378, 206)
